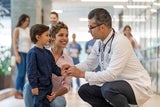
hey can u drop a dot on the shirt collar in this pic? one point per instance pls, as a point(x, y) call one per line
point(63, 54)
point(108, 37)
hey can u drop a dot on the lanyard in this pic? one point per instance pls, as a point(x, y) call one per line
point(102, 49)
point(110, 39)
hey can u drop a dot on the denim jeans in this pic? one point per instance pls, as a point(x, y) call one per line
point(28, 98)
point(41, 100)
point(111, 94)
point(58, 102)
point(21, 67)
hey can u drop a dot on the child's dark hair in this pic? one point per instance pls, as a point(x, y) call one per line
point(37, 29)
point(55, 29)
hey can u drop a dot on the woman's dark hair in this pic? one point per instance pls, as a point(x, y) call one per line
point(37, 29)
point(55, 29)
point(127, 26)
point(101, 16)
point(22, 19)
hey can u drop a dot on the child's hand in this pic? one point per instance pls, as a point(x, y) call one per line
point(35, 91)
point(64, 69)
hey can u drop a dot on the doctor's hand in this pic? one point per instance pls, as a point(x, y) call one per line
point(75, 72)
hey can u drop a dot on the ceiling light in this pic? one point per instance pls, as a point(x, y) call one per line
point(143, 0)
point(130, 20)
point(138, 6)
point(104, 0)
point(127, 18)
point(156, 4)
point(118, 6)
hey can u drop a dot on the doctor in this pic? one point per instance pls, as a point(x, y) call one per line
point(122, 79)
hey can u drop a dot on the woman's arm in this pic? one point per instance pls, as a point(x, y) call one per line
point(15, 44)
point(56, 93)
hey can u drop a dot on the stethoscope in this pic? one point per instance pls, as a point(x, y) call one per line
point(110, 39)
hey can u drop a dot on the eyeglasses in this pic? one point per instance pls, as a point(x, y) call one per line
point(92, 27)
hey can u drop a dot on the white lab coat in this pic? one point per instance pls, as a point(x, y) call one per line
point(120, 64)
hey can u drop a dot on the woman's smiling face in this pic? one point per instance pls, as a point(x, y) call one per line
point(61, 38)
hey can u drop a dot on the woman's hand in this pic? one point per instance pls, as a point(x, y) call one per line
point(18, 59)
point(52, 96)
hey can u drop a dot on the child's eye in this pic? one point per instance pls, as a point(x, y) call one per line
point(48, 35)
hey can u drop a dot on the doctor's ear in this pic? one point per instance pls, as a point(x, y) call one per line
point(103, 26)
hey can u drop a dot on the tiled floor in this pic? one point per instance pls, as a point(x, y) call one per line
point(11, 102)
point(73, 100)
point(154, 101)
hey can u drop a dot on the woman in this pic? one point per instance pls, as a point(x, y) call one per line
point(59, 40)
point(74, 49)
point(127, 33)
point(21, 45)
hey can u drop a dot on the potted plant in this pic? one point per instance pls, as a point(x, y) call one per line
point(5, 53)
point(5, 69)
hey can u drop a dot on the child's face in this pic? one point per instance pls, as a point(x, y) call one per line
point(61, 38)
point(44, 39)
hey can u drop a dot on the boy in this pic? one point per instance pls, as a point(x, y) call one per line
point(41, 65)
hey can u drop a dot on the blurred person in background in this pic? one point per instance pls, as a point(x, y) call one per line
point(127, 32)
point(53, 18)
point(74, 50)
point(21, 46)
point(88, 48)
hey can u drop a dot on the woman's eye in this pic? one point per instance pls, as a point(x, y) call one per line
point(60, 35)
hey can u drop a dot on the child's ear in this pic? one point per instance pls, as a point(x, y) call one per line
point(37, 37)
